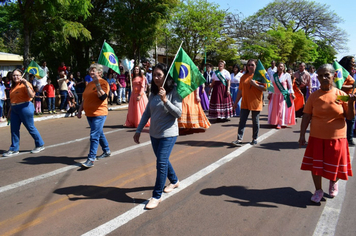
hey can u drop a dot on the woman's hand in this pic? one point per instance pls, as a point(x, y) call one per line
point(79, 114)
point(302, 141)
point(269, 96)
point(292, 95)
point(197, 98)
point(138, 98)
point(136, 137)
point(162, 94)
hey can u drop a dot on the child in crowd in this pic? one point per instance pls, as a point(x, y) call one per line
point(73, 107)
point(38, 100)
point(50, 93)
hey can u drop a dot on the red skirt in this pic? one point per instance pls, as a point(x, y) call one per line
point(329, 158)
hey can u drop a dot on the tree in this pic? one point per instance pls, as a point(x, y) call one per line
point(326, 54)
point(53, 16)
point(136, 24)
point(316, 20)
point(196, 23)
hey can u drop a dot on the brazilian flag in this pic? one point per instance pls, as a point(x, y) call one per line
point(108, 58)
point(261, 76)
point(36, 70)
point(186, 74)
point(341, 74)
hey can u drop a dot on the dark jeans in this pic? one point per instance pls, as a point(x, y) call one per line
point(350, 129)
point(162, 147)
point(64, 95)
point(255, 123)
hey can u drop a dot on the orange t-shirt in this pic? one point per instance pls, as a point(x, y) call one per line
point(251, 96)
point(328, 114)
point(348, 81)
point(92, 105)
point(19, 94)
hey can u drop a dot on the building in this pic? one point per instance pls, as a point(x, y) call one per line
point(9, 62)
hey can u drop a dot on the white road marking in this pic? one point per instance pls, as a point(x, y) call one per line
point(122, 219)
point(330, 216)
point(64, 169)
point(64, 143)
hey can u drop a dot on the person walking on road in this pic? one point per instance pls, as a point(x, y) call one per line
point(327, 153)
point(95, 105)
point(21, 111)
point(164, 108)
point(251, 93)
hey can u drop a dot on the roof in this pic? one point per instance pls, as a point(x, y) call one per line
point(10, 57)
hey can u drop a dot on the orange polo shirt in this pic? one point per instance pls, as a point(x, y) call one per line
point(251, 96)
point(92, 104)
point(19, 94)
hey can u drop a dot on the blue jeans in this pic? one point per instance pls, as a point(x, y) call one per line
point(1, 107)
point(51, 104)
point(255, 123)
point(97, 136)
point(122, 94)
point(64, 95)
point(162, 148)
point(23, 113)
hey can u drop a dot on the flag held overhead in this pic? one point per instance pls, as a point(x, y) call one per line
point(36, 70)
point(108, 58)
point(341, 74)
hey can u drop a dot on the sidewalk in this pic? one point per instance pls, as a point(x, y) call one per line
point(47, 116)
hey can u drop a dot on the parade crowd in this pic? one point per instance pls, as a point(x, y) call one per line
point(154, 102)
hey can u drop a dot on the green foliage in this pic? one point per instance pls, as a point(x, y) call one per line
point(225, 49)
point(136, 24)
point(198, 24)
point(326, 54)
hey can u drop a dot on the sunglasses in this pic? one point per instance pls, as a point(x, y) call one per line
point(250, 64)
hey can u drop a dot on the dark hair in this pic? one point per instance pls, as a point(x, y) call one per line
point(254, 60)
point(346, 62)
point(168, 85)
point(237, 66)
point(139, 72)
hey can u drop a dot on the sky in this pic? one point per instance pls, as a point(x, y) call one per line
point(346, 9)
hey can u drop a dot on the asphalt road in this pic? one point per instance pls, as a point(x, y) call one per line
point(225, 190)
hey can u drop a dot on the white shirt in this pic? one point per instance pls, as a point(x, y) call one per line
point(271, 71)
point(236, 79)
point(224, 73)
point(2, 91)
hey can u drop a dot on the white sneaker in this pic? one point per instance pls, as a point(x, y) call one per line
point(38, 149)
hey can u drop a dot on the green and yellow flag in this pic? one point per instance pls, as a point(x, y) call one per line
point(36, 70)
point(108, 58)
point(261, 76)
point(341, 74)
point(186, 74)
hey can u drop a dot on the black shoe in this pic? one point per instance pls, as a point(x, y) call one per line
point(351, 143)
point(105, 154)
point(254, 142)
point(237, 143)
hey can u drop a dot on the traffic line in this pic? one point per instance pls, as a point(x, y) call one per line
point(62, 144)
point(131, 214)
point(64, 169)
point(330, 216)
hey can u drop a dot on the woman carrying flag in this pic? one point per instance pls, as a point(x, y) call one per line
point(251, 93)
point(220, 106)
point(281, 110)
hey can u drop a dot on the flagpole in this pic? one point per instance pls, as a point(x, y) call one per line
point(101, 49)
point(172, 64)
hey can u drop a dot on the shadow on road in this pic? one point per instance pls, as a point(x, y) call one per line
point(277, 146)
point(210, 144)
point(38, 160)
point(83, 192)
point(262, 197)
